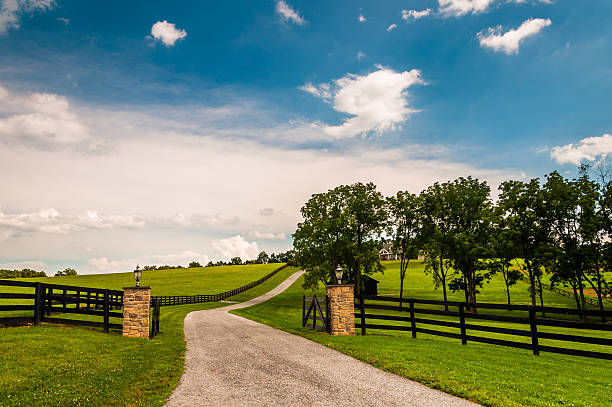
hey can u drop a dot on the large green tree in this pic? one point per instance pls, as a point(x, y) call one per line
point(340, 228)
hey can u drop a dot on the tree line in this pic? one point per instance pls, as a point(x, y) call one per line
point(555, 225)
point(29, 273)
point(262, 258)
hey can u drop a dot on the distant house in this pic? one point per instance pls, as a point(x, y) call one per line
point(388, 254)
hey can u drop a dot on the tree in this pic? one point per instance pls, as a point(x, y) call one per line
point(235, 261)
point(340, 229)
point(405, 227)
point(436, 235)
point(521, 206)
point(471, 216)
point(366, 220)
point(194, 264)
point(262, 258)
point(66, 272)
point(504, 252)
point(577, 221)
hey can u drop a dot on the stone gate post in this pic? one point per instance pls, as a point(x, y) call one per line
point(136, 304)
point(341, 309)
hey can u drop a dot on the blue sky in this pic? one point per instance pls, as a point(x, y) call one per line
point(152, 131)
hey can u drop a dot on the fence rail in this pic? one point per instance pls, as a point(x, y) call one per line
point(65, 299)
point(166, 300)
point(413, 307)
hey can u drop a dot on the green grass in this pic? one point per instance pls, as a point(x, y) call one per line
point(186, 281)
point(488, 374)
point(53, 365)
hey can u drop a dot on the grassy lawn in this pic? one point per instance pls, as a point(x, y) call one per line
point(67, 366)
point(488, 374)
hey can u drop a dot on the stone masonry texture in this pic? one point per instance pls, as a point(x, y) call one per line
point(341, 309)
point(136, 303)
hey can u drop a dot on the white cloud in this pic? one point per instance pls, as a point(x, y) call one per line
point(378, 101)
point(167, 33)
point(193, 175)
point(288, 14)
point(361, 18)
point(391, 27)
point(589, 149)
point(415, 14)
point(20, 265)
point(361, 55)
point(509, 41)
point(236, 246)
point(267, 235)
point(104, 265)
point(457, 8)
point(41, 120)
point(462, 7)
point(11, 11)
point(52, 221)
point(322, 91)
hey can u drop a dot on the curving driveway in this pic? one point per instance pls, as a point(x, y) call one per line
point(233, 361)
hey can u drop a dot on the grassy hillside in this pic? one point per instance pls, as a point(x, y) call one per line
point(66, 366)
point(489, 374)
point(186, 281)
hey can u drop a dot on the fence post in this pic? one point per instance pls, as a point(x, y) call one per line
point(534, 331)
point(37, 304)
point(106, 311)
point(412, 321)
point(49, 301)
point(64, 292)
point(462, 324)
point(303, 310)
point(363, 318)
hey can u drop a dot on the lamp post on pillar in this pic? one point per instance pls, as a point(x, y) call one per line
point(341, 306)
point(136, 307)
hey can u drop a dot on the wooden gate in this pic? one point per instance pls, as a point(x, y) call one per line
point(312, 310)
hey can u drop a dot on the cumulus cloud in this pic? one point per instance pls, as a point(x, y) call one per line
point(167, 33)
point(236, 246)
point(391, 27)
point(288, 14)
point(589, 149)
point(378, 101)
point(104, 265)
point(415, 14)
point(41, 120)
point(12, 10)
point(509, 41)
point(361, 18)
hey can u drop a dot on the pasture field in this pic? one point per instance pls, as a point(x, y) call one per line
point(53, 365)
point(488, 374)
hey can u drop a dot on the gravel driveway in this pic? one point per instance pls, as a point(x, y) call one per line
point(233, 361)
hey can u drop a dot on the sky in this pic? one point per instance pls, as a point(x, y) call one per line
point(165, 132)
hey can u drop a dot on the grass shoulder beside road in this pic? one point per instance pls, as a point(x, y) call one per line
point(53, 365)
point(488, 374)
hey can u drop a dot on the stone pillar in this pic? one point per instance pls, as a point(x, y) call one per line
point(136, 304)
point(341, 309)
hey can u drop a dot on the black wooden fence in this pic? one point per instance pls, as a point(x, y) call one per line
point(166, 300)
point(312, 310)
point(154, 319)
point(64, 299)
point(415, 308)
